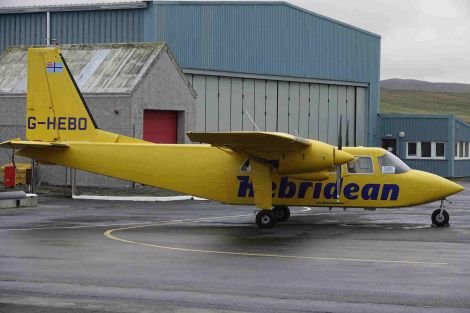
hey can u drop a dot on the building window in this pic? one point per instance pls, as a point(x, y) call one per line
point(426, 150)
point(412, 149)
point(440, 150)
point(461, 150)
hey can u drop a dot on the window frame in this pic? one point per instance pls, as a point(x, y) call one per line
point(363, 156)
point(458, 147)
point(433, 151)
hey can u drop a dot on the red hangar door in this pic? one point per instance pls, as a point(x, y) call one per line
point(160, 126)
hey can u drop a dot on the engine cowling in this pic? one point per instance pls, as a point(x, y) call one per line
point(318, 157)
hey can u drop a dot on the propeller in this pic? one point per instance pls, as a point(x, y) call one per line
point(340, 147)
point(347, 133)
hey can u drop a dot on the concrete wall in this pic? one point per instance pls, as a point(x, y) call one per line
point(165, 87)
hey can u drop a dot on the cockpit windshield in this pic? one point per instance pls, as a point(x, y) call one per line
point(391, 164)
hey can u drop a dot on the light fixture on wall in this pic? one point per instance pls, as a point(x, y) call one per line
point(401, 134)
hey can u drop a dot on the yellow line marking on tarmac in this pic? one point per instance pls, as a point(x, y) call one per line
point(109, 234)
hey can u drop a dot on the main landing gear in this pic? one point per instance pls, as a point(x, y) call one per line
point(269, 218)
point(440, 217)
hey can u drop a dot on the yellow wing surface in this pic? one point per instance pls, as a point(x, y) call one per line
point(258, 141)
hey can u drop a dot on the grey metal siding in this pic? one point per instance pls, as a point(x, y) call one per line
point(415, 128)
point(309, 110)
point(462, 131)
point(22, 29)
point(98, 26)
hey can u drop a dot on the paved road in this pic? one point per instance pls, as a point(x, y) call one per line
point(202, 256)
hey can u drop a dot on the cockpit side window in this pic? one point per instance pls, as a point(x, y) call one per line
point(391, 164)
point(361, 165)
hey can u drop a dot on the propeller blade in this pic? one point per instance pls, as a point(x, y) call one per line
point(338, 182)
point(347, 133)
point(340, 133)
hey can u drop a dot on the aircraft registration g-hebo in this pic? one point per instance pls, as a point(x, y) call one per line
point(268, 169)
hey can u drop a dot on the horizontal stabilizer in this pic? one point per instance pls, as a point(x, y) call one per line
point(258, 141)
point(20, 144)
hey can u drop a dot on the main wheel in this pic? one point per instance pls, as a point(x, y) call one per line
point(265, 219)
point(439, 219)
point(281, 212)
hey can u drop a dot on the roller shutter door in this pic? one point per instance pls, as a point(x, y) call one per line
point(309, 110)
point(160, 126)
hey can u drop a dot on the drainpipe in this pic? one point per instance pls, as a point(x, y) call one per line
point(48, 28)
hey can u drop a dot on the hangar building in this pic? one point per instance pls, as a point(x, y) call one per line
point(433, 143)
point(287, 68)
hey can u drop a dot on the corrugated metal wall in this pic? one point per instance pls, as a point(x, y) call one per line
point(22, 29)
point(98, 26)
point(462, 133)
point(309, 110)
point(268, 39)
point(102, 26)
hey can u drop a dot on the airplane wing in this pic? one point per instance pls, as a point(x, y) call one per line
point(20, 144)
point(257, 141)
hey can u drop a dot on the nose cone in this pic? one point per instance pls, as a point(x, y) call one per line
point(449, 187)
point(342, 157)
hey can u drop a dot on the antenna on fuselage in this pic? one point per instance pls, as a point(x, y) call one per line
point(253, 122)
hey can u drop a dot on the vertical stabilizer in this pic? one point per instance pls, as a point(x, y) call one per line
point(55, 110)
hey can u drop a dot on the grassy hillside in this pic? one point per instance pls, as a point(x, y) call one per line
point(425, 102)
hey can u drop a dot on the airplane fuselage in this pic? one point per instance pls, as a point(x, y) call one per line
point(215, 173)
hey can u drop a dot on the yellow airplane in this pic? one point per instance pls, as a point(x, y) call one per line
point(268, 169)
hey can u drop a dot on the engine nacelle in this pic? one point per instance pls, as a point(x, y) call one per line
point(315, 158)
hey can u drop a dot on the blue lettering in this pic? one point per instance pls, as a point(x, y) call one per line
point(31, 122)
point(245, 186)
point(61, 122)
point(286, 188)
point(304, 188)
point(350, 191)
point(82, 123)
point(370, 192)
point(51, 122)
point(72, 125)
point(317, 191)
point(330, 191)
point(390, 188)
point(274, 189)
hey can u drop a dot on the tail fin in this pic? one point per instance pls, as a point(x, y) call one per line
point(55, 110)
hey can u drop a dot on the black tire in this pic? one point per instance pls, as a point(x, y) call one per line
point(438, 219)
point(265, 219)
point(281, 212)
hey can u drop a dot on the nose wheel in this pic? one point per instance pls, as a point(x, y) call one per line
point(440, 217)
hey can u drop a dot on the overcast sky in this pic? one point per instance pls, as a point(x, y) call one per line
point(421, 39)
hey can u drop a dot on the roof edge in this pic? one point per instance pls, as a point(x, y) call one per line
point(74, 7)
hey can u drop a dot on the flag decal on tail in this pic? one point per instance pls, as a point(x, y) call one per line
point(54, 67)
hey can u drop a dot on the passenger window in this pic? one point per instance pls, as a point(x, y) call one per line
point(361, 165)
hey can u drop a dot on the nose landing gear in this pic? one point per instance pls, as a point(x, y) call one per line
point(440, 217)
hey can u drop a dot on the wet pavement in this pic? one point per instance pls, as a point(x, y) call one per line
point(201, 256)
